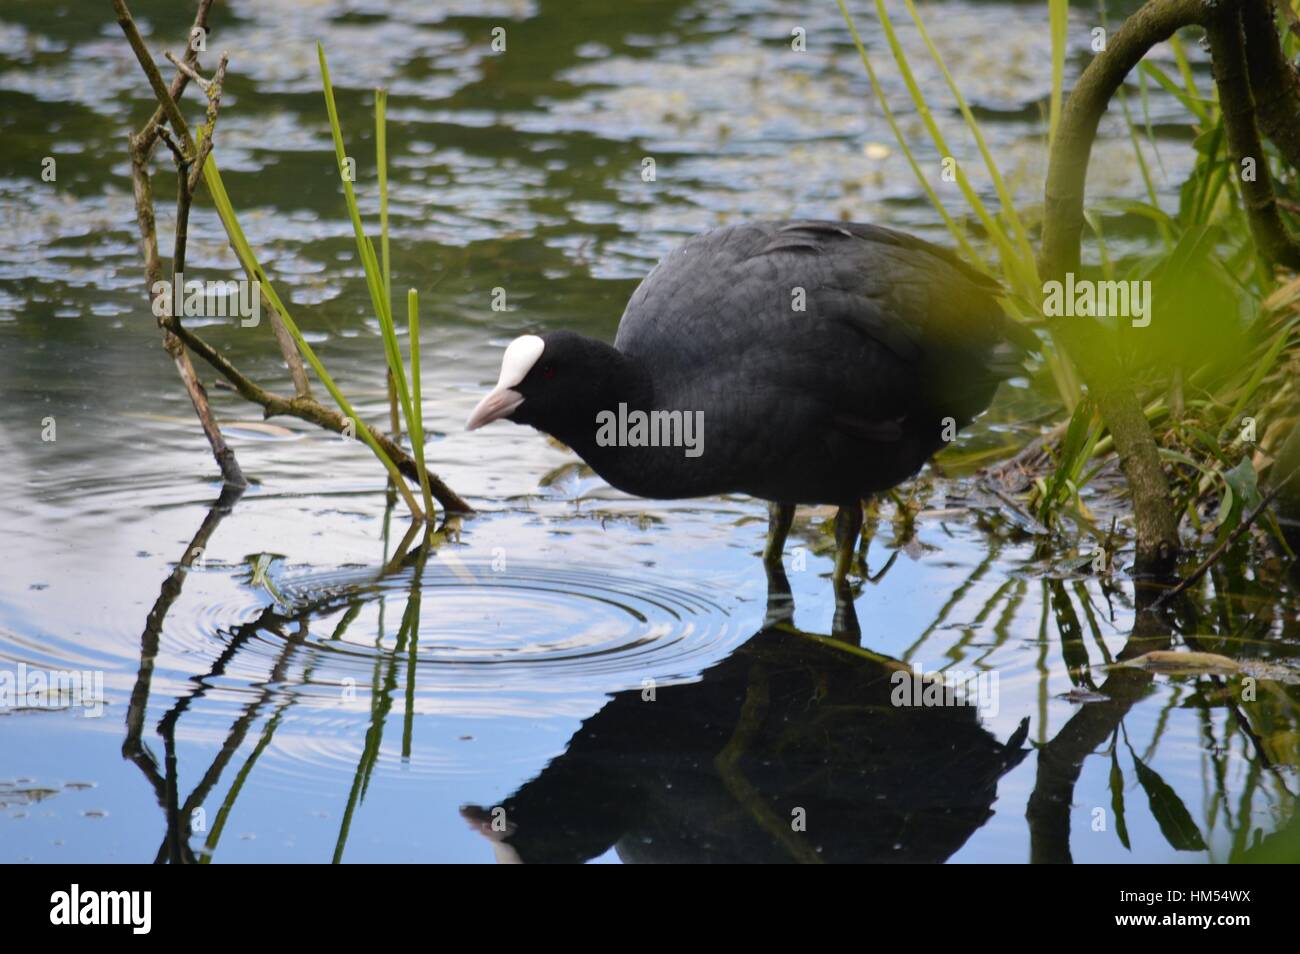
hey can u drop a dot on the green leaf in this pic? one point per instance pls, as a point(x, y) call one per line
point(1117, 799)
point(1080, 438)
point(1144, 209)
point(1227, 509)
point(1244, 482)
point(1241, 495)
point(1207, 143)
point(1170, 813)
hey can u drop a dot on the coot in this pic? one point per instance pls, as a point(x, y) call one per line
point(798, 362)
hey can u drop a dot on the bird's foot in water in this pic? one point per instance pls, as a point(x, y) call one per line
point(780, 605)
point(780, 602)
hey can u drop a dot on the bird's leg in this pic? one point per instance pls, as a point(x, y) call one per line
point(780, 601)
point(780, 517)
point(870, 519)
point(848, 524)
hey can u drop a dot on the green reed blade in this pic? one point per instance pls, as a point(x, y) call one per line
point(369, 261)
point(1059, 18)
point(392, 352)
point(957, 233)
point(417, 418)
point(381, 160)
point(1199, 107)
point(1004, 196)
point(1268, 363)
point(239, 242)
point(1012, 266)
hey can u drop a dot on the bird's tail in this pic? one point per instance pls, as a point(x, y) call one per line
point(1008, 357)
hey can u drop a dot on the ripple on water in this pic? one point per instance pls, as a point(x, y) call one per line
point(470, 620)
point(351, 648)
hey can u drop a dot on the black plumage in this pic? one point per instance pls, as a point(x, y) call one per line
point(830, 403)
point(828, 361)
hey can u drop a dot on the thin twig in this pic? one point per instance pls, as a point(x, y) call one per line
point(184, 199)
point(140, 146)
point(213, 91)
point(178, 338)
point(189, 71)
point(149, 132)
point(172, 144)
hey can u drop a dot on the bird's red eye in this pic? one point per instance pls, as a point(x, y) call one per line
point(548, 371)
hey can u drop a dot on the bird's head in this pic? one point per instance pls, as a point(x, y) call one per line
point(555, 382)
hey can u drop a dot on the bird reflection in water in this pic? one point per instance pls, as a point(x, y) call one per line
point(789, 750)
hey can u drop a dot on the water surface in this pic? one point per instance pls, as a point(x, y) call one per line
point(603, 669)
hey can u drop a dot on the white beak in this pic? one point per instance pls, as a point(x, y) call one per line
point(498, 403)
point(502, 400)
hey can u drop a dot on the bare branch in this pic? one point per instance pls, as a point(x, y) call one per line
point(172, 113)
point(140, 146)
point(213, 91)
point(308, 409)
point(1228, 52)
point(160, 90)
point(149, 131)
point(1156, 522)
point(191, 158)
point(1274, 82)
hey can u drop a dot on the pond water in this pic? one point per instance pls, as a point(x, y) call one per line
point(606, 677)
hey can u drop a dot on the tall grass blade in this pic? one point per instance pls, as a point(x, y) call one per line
point(1011, 265)
point(957, 233)
point(381, 160)
point(244, 252)
point(1198, 107)
point(1004, 196)
point(369, 261)
point(1059, 20)
point(417, 416)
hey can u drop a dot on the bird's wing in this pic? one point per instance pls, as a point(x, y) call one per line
point(885, 322)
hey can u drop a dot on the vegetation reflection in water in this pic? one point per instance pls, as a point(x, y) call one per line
point(794, 747)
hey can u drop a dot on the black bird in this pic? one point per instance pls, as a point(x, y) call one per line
point(798, 362)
